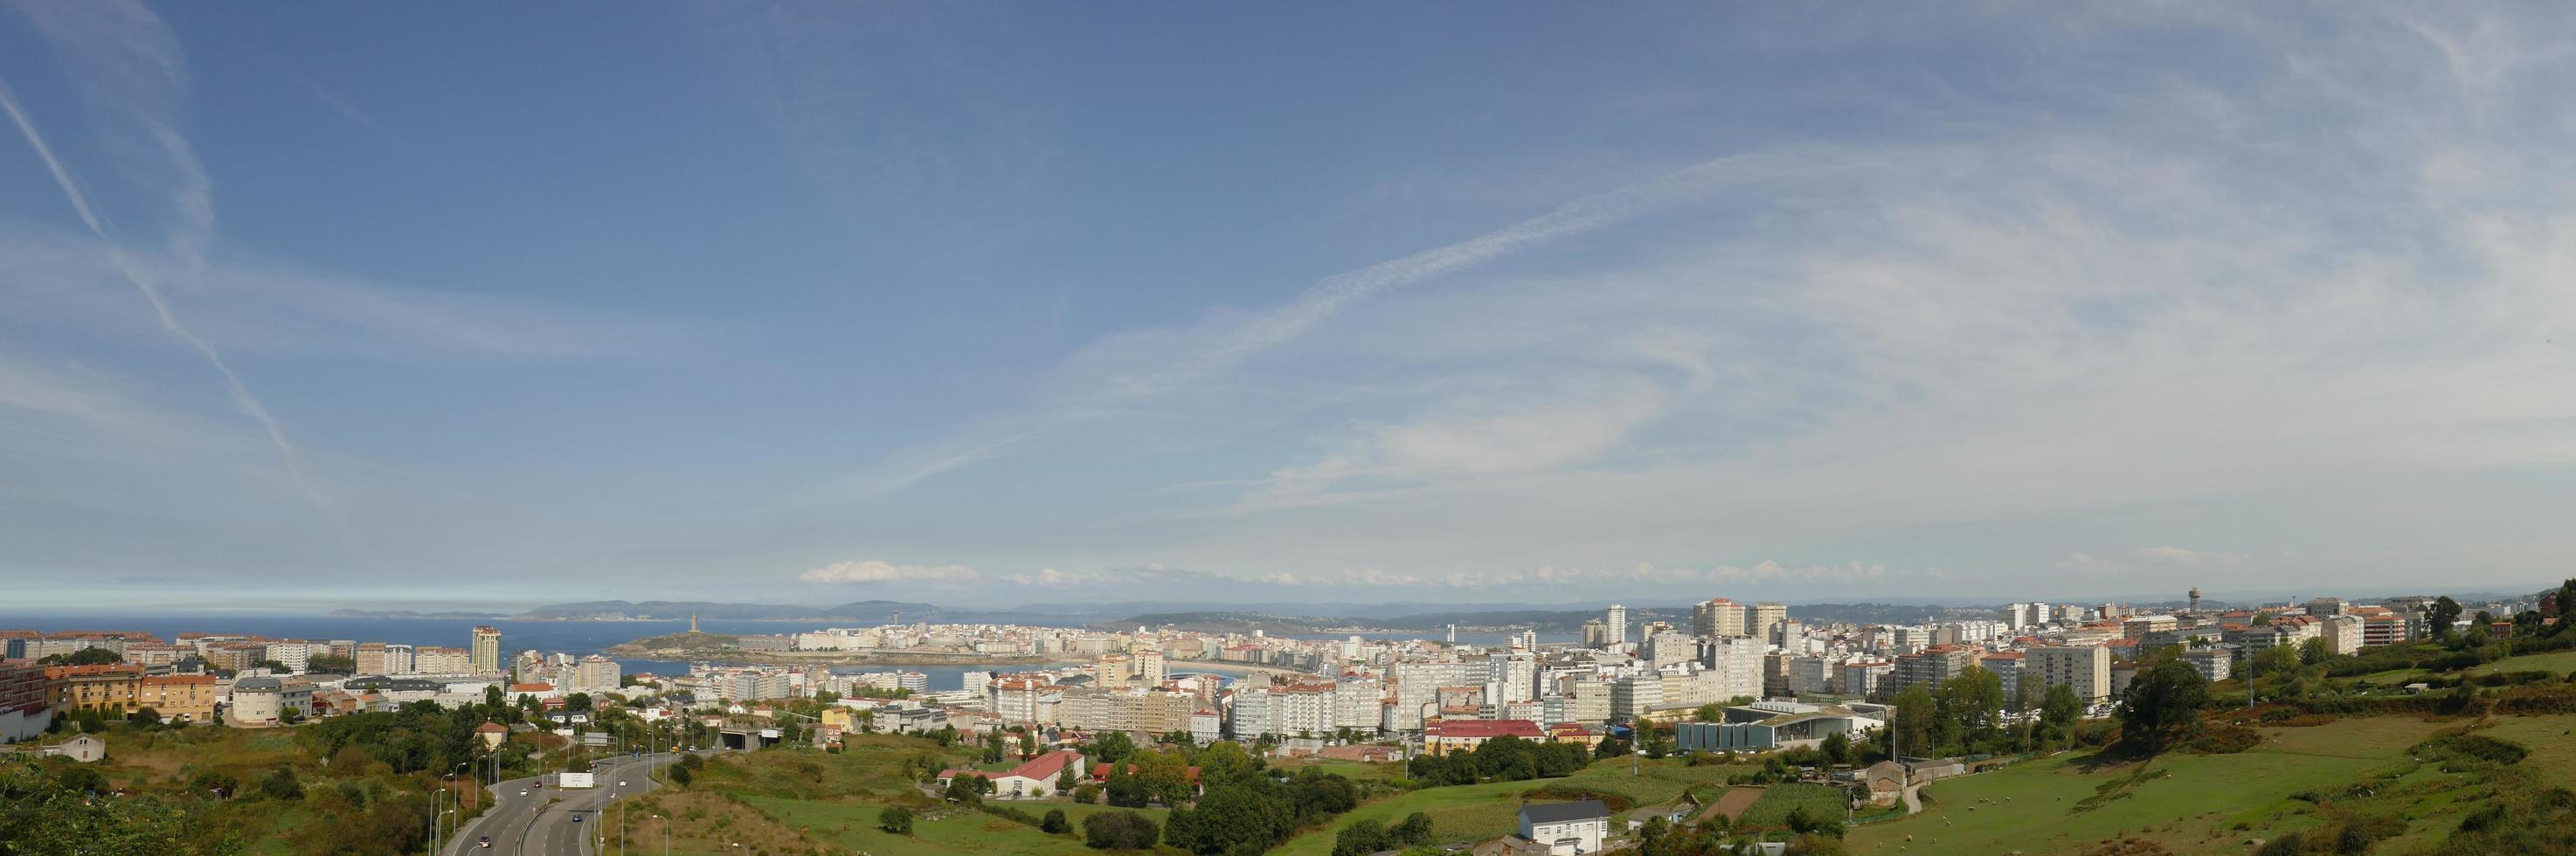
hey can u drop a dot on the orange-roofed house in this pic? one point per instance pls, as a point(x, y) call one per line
point(1033, 779)
point(1464, 735)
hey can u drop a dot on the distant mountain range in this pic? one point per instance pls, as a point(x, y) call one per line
point(879, 611)
point(1276, 618)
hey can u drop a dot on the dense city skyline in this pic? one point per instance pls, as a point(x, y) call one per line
point(384, 306)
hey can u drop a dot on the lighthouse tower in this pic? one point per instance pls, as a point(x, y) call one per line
point(693, 617)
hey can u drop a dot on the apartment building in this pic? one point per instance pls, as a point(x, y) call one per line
point(188, 697)
point(2086, 669)
point(113, 689)
point(1928, 668)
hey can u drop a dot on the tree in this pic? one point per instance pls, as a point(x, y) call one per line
point(1119, 830)
point(2443, 613)
point(329, 664)
point(577, 703)
point(2163, 702)
point(82, 657)
point(144, 716)
point(969, 789)
point(2058, 712)
point(1911, 730)
point(215, 782)
point(1127, 789)
point(897, 820)
point(1363, 838)
point(2273, 662)
point(1086, 793)
point(1967, 711)
point(1710, 712)
point(1222, 762)
point(1054, 822)
point(281, 784)
point(2315, 650)
point(1112, 748)
point(1415, 831)
point(680, 775)
point(2566, 606)
point(1837, 748)
point(1066, 779)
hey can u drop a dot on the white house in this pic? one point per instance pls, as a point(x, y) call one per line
point(1031, 780)
point(1566, 828)
point(85, 749)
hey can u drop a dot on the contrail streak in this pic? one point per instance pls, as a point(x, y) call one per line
point(1332, 295)
point(143, 281)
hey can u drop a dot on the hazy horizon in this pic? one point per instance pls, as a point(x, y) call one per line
point(390, 307)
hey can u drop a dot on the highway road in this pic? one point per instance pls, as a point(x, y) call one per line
point(543, 822)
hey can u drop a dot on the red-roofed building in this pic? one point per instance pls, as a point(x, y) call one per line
point(1030, 780)
point(1444, 736)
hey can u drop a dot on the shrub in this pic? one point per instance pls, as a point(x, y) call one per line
point(2225, 740)
point(2461, 747)
point(895, 819)
point(1119, 830)
point(1054, 823)
point(1616, 802)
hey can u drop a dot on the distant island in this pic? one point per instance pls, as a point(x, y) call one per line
point(723, 648)
point(405, 613)
point(874, 611)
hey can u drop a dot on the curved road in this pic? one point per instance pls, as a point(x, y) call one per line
point(553, 821)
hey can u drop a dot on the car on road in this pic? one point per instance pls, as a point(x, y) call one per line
point(523, 793)
point(576, 817)
point(483, 843)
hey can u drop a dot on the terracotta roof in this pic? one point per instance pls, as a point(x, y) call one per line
point(1483, 728)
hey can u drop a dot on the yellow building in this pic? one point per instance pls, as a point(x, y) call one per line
point(189, 697)
point(112, 689)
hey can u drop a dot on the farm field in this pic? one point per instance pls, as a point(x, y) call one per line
point(2195, 803)
point(1773, 808)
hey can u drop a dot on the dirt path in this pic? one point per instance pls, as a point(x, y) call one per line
point(1735, 801)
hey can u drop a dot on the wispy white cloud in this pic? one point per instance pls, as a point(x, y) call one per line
point(1129, 368)
point(880, 571)
point(56, 279)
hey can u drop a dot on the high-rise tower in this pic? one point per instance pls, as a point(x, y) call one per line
point(1618, 624)
point(486, 652)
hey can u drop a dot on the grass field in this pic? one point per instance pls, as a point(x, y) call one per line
point(2194, 803)
point(2561, 662)
point(1778, 800)
point(853, 825)
point(1481, 812)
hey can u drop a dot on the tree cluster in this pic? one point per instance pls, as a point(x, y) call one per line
point(1118, 830)
point(1371, 836)
point(1501, 759)
point(1248, 812)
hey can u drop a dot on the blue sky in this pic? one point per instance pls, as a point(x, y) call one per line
point(1470, 303)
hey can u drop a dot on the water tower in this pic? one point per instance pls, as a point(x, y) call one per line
point(2195, 598)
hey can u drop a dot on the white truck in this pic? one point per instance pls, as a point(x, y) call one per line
point(574, 780)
